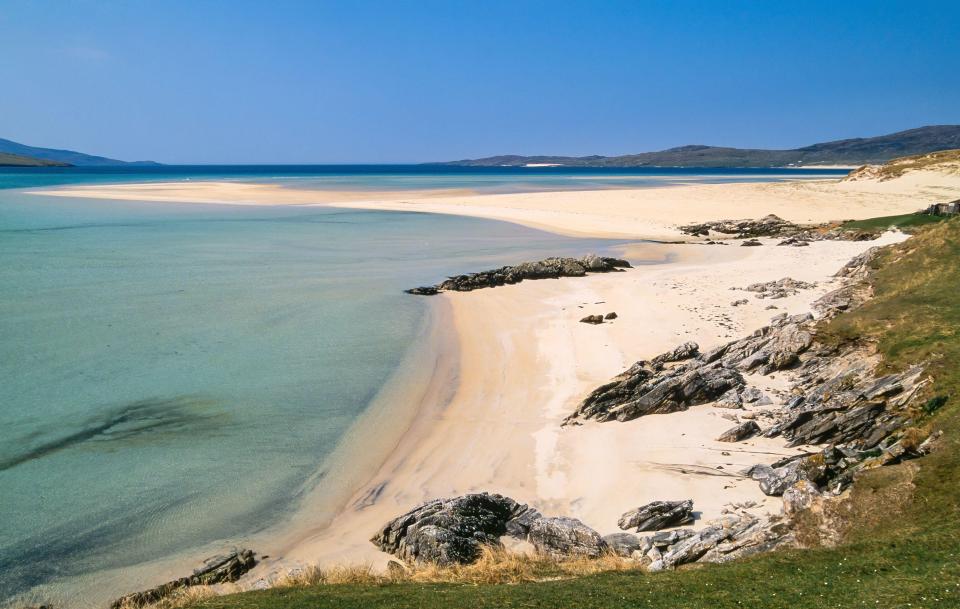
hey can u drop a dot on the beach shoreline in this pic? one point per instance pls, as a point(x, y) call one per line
point(652, 213)
point(525, 361)
point(510, 363)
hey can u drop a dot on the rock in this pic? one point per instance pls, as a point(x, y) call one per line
point(737, 303)
point(592, 319)
point(427, 290)
point(800, 496)
point(397, 569)
point(610, 315)
point(452, 531)
point(781, 288)
point(549, 268)
point(795, 242)
point(216, 570)
point(751, 243)
point(730, 399)
point(657, 515)
point(643, 390)
point(565, 537)
point(767, 226)
point(740, 432)
point(776, 479)
point(679, 353)
point(623, 544)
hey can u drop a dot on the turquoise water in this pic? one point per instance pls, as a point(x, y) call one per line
point(405, 177)
point(152, 356)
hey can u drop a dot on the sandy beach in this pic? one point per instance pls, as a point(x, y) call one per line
point(645, 213)
point(523, 361)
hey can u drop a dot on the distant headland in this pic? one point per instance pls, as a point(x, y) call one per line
point(14, 154)
point(857, 151)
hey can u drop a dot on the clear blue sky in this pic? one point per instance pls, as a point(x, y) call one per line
point(357, 81)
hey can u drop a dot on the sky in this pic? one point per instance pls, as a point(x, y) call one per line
point(377, 82)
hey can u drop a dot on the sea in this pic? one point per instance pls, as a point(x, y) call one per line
point(173, 376)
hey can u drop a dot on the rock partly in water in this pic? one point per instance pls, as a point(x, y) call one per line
point(217, 570)
point(658, 515)
point(549, 268)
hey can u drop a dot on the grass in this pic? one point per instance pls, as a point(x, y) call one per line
point(900, 548)
point(945, 161)
point(906, 221)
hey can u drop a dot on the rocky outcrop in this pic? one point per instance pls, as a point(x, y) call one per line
point(722, 540)
point(454, 531)
point(216, 570)
point(774, 226)
point(565, 537)
point(698, 378)
point(658, 515)
point(549, 268)
point(654, 389)
point(767, 226)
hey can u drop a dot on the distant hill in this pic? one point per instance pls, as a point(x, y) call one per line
point(69, 157)
point(856, 151)
point(17, 160)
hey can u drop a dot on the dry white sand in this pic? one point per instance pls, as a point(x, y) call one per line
point(647, 213)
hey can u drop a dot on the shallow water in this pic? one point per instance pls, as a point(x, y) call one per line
point(154, 355)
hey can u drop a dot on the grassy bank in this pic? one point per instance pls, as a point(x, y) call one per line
point(904, 222)
point(902, 547)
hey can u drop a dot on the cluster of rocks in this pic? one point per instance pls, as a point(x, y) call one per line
point(727, 538)
point(598, 319)
point(781, 288)
point(768, 226)
point(774, 226)
point(549, 268)
point(454, 531)
point(836, 403)
point(216, 570)
point(656, 387)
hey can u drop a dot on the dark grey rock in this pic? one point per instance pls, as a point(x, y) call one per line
point(740, 432)
point(658, 515)
point(450, 531)
point(549, 268)
point(216, 570)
